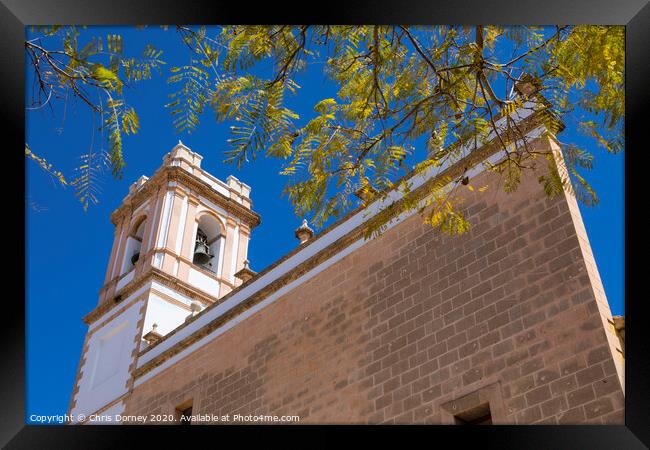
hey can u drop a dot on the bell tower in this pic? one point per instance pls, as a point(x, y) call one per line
point(180, 243)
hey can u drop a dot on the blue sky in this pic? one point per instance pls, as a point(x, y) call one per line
point(67, 249)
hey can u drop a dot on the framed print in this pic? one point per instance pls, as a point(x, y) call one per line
point(394, 218)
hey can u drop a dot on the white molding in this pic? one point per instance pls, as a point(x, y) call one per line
point(222, 249)
point(207, 205)
point(162, 235)
point(203, 282)
point(234, 254)
point(180, 233)
point(125, 280)
point(140, 208)
point(158, 259)
point(100, 319)
point(215, 183)
point(163, 289)
point(155, 216)
point(117, 250)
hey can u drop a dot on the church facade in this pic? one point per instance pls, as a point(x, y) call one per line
point(505, 324)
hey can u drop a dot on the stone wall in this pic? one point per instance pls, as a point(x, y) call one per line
point(418, 327)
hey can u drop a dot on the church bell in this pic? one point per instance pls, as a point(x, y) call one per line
point(202, 253)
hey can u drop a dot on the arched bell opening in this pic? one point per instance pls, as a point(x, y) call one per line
point(208, 244)
point(133, 246)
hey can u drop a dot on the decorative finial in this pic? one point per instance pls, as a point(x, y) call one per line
point(366, 193)
point(304, 232)
point(180, 142)
point(153, 336)
point(245, 273)
point(195, 307)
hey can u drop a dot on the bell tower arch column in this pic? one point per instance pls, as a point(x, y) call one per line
point(176, 224)
point(230, 252)
point(187, 238)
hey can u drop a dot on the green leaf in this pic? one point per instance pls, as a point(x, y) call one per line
point(107, 78)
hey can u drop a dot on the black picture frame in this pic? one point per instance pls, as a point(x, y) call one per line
point(634, 14)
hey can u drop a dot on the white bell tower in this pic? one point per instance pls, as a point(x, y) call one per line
point(181, 237)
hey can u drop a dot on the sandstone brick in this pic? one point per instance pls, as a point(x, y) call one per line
point(572, 365)
point(529, 415)
point(448, 358)
point(538, 347)
point(516, 404)
point(538, 395)
point(554, 406)
point(468, 349)
point(597, 355)
point(580, 396)
point(532, 365)
point(598, 407)
point(546, 376)
point(489, 339)
point(564, 384)
point(606, 386)
point(477, 331)
point(494, 366)
point(512, 328)
point(522, 385)
point(472, 376)
point(589, 375)
point(486, 313)
point(572, 416)
point(504, 346)
point(515, 357)
point(457, 340)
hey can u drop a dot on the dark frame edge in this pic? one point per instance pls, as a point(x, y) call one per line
point(12, 114)
point(632, 435)
point(637, 99)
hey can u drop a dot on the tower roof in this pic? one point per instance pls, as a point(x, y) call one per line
point(183, 166)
